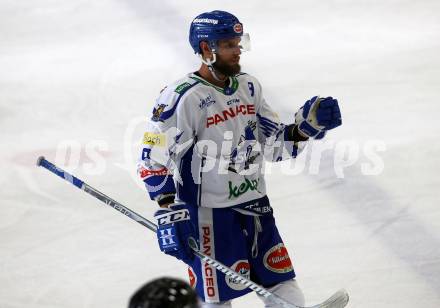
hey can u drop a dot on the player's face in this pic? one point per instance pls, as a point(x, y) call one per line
point(228, 56)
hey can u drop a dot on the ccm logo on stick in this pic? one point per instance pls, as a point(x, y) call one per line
point(169, 218)
point(229, 113)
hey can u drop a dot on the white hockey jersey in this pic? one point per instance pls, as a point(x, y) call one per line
point(208, 144)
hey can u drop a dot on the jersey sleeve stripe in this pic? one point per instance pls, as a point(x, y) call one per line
point(168, 114)
point(266, 122)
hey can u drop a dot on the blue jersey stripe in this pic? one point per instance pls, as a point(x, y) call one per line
point(266, 122)
point(168, 114)
point(266, 132)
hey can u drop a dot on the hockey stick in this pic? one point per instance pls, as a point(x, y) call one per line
point(338, 300)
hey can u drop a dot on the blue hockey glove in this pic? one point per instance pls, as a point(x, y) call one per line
point(317, 116)
point(174, 228)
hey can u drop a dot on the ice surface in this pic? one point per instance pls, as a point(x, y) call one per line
point(85, 73)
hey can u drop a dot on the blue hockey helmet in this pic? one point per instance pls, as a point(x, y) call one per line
point(214, 26)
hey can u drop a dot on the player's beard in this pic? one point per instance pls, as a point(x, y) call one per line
point(226, 69)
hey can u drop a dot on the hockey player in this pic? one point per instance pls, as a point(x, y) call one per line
point(164, 293)
point(202, 160)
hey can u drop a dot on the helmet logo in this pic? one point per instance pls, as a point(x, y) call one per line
point(238, 28)
point(206, 20)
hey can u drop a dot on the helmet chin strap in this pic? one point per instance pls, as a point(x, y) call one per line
point(211, 68)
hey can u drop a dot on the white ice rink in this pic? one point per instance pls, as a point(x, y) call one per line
point(81, 75)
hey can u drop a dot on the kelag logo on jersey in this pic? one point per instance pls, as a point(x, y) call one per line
point(229, 113)
point(236, 191)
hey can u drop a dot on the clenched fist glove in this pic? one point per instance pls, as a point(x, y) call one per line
point(174, 228)
point(317, 116)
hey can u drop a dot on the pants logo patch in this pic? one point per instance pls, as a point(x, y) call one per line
point(277, 259)
point(192, 278)
point(243, 268)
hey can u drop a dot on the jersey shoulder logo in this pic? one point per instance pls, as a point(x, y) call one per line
point(182, 87)
point(157, 112)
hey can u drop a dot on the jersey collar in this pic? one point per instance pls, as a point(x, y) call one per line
point(226, 91)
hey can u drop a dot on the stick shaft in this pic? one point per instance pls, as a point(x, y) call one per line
point(42, 162)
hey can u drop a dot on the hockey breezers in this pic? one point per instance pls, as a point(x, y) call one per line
point(337, 300)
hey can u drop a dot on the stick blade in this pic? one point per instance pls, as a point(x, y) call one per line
point(338, 300)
